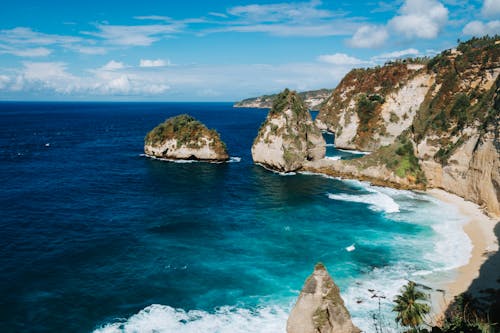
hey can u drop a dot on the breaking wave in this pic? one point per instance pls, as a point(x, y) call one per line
point(165, 319)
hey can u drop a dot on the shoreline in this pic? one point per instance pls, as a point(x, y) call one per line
point(480, 230)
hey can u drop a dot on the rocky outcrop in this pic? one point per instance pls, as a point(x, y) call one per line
point(444, 131)
point(319, 308)
point(371, 107)
point(288, 137)
point(183, 137)
point(313, 100)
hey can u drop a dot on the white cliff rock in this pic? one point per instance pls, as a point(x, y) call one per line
point(320, 308)
point(288, 136)
point(183, 137)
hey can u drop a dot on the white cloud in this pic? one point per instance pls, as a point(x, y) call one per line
point(491, 8)
point(299, 11)
point(420, 18)
point(134, 35)
point(4, 80)
point(153, 63)
point(113, 66)
point(24, 36)
point(153, 18)
point(92, 50)
point(340, 59)
point(25, 42)
point(396, 54)
point(478, 28)
point(180, 82)
point(222, 15)
point(285, 19)
point(25, 52)
point(368, 36)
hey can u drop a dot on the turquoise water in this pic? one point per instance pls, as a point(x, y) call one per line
point(98, 237)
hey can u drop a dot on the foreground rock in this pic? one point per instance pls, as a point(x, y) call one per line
point(288, 137)
point(320, 309)
point(184, 137)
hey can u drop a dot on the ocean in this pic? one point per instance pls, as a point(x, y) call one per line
point(97, 237)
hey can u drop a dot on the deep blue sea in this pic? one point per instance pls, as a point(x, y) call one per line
point(95, 236)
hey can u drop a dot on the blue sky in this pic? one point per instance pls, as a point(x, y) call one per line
point(216, 50)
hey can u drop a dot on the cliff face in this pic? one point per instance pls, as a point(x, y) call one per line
point(371, 107)
point(444, 130)
point(288, 136)
point(467, 163)
point(183, 137)
point(312, 99)
point(319, 308)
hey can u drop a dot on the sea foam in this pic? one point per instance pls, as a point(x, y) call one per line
point(165, 319)
point(232, 159)
point(376, 200)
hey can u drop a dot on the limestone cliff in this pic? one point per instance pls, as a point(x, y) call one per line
point(313, 99)
point(320, 308)
point(371, 107)
point(288, 136)
point(449, 137)
point(183, 137)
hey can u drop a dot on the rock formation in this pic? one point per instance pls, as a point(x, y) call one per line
point(432, 123)
point(320, 308)
point(313, 100)
point(183, 137)
point(372, 106)
point(288, 136)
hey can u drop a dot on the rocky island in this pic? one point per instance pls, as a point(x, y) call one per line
point(184, 137)
point(288, 137)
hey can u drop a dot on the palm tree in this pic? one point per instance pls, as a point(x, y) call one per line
point(410, 307)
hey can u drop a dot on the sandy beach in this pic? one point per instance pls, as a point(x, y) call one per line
point(481, 230)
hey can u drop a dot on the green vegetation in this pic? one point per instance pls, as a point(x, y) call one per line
point(398, 157)
point(458, 103)
point(464, 315)
point(365, 109)
point(393, 118)
point(443, 154)
point(187, 131)
point(288, 100)
point(411, 307)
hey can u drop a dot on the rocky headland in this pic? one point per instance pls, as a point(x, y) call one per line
point(320, 308)
point(431, 123)
point(313, 100)
point(288, 137)
point(185, 138)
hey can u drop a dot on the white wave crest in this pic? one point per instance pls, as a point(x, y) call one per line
point(232, 159)
point(165, 319)
point(376, 200)
point(334, 158)
point(277, 172)
point(357, 152)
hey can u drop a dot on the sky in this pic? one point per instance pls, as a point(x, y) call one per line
point(221, 50)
